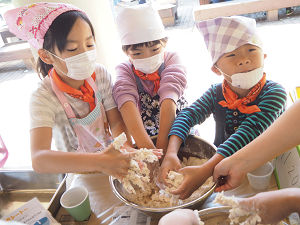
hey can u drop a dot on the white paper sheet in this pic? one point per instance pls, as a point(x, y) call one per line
point(126, 215)
point(30, 213)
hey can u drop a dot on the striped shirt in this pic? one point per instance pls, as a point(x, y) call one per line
point(271, 101)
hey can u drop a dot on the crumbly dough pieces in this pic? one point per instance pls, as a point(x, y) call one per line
point(143, 191)
point(138, 172)
point(236, 213)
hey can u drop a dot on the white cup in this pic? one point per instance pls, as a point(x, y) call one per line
point(259, 179)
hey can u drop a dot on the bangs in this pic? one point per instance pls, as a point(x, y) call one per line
point(148, 44)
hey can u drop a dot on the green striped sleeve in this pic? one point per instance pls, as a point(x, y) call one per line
point(194, 114)
point(272, 103)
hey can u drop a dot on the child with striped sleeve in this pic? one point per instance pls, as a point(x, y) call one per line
point(243, 106)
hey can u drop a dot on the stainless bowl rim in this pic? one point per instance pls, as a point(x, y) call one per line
point(197, 137)
point(165, 209)
point(217, 209)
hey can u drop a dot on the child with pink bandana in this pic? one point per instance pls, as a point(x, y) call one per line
point(73, 103)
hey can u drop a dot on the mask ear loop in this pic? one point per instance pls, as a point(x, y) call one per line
point(4, 151)
point(55, 55)
point(224, 74)
point(59, 59)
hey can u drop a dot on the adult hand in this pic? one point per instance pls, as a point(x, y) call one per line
point(233, 172)
point(170, 162)
point(194, 177)
point(273, 206)
point(115, 163)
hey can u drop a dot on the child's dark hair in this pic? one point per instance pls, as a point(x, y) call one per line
point(162, 41)
point(57, 35)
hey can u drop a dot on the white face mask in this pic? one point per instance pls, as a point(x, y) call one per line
point(245, 80)
point(81, 66)
point(150, 64)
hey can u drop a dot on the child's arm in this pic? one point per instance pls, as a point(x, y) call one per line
point(126, 96)
point(172, 85)
point(117, 125)
point(280, 137)
point(45, 160)
point(166, 118)
point(134, 124)
point(187, 118)
point(274, 206)
point(171, 161)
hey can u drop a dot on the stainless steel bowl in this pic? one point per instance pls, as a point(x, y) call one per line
point(194, 146)
point(218, 216)
point(215, 215)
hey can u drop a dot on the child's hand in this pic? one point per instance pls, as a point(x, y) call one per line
point(158, 152)
point(232, 170)
point(194, 177)
point(170, 162)
point(115, 163)
point(273, 206)
point(127, 149)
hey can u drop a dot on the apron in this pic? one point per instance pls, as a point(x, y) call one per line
point(93, 135)
point(4, 151)
point(92, 131)
point(149, 106)
point(223, 132)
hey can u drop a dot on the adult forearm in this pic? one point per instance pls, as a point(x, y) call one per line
point(294, 199)
point(281, 136)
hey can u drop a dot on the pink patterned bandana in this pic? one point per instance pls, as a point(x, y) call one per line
point(225, 34)
point(30, 23)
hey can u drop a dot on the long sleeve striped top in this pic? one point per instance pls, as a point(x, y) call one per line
point(271, 101)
